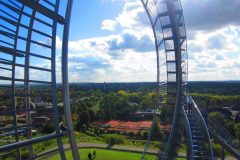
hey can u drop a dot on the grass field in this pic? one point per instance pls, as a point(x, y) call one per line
point(103, 154)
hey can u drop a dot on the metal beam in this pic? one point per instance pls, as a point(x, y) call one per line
point(43, 10)
point(30, 141)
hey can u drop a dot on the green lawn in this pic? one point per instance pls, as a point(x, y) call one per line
point(103, 154)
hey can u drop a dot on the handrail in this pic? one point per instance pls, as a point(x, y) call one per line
point(189, 132)
point(221, 129)
point(31, 141)
point(224, 134)
point(171, 132)
point(226, 145)
point(205, 127)
point(149, 137)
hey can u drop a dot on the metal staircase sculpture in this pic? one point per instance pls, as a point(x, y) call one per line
point(224, 138)
point(199, 143)
point(166, 18)
point(28, 34)
point(28, 30)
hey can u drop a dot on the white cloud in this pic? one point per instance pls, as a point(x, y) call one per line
point(95, 60)
point(211, 14)
point(130, 16)
point(108, 25)
point(127, 54)
point(212, 53)
point(58, 43)
point(133, 16)
point(109, 1)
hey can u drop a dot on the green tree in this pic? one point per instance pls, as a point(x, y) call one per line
point(91, 115)
point(237, 130)
point(156, 133)
point(84, 119)
point(230, 126)
point(216, 116)
point(114, 139)
point(48, 128)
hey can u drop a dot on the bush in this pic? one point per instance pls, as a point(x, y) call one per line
point(96, 131)
point(217, 149)
point(216, 116)
point(145, 135)
point(114, 139)
point(48, 128)
point(237, 130)
point(89, 133)
point(24, 154)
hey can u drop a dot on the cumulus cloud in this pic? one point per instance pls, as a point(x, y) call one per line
point(113, 58)
point(211, 14)
point(217, 42)
point(87, 63)
point(214, 39)
point(129, 55)
point(133, 16)
point(109, 1)
point(132, 40)
point(108, 25)
point(214, 55)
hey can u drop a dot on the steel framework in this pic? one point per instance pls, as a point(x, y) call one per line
point(166, 17)
point(28, 47)
point(28, 38)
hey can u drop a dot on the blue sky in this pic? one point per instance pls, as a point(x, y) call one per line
point(87, 17)
point(112, 41)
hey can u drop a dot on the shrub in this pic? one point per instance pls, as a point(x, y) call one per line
point(114, 139)
point(131, 134)
point(89, 133)
point(217, 149)
point(24, 154)
point(48, 128)
point(237, 130)
point(145, 135)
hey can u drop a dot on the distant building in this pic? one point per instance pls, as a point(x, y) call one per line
point(144, 115)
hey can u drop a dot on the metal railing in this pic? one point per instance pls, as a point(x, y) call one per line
point(202, 124)
point(28, 32)
point(188, 134)
point(223, 137)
